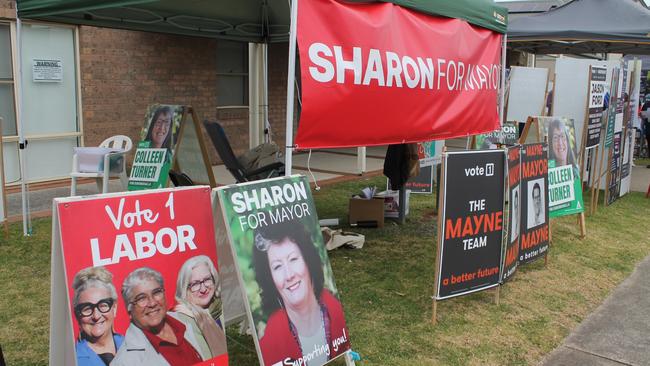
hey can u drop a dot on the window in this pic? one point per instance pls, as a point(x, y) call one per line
point(7, 110)
point(232, 73)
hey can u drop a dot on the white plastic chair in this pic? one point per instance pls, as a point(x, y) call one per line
point(122, 144)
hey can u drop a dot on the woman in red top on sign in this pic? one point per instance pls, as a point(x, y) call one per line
point(306, 320)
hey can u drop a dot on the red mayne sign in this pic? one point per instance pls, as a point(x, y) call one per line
point(376, 74)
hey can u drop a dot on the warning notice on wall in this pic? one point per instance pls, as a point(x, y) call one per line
point(47, 70)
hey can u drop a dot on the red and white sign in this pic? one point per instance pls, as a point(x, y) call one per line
point(377, 74)
point(159, 229)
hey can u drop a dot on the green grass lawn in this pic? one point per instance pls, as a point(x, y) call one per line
point(386, 289)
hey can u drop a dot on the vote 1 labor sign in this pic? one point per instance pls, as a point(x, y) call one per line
point(472, 222)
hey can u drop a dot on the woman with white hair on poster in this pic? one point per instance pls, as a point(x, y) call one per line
point(94, 303)
point(198, 302)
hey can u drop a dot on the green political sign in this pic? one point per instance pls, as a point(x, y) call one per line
point(564, 183)
point(155, 152)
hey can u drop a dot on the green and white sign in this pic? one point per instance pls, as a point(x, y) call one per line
point(564, 183)
point(155, 152)
point(284, 271)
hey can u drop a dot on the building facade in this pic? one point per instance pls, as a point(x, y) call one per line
point(106, 80)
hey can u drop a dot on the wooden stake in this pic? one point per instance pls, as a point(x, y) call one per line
point(526, 131)
point(593, 177)
point(434, 319)
point(583, 227)
point(497, 291)
point(546, 91)
point(441, 211)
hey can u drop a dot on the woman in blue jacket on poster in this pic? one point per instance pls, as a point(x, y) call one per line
point(95, 303)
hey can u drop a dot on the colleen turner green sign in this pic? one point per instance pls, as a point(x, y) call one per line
point(564, 184)
point(154, 155)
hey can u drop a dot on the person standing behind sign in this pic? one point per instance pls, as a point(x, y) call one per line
point(304, 315)
point(154, 336)
point(198, 302)
point(94, 302)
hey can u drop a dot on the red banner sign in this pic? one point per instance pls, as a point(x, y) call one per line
point(377, 74)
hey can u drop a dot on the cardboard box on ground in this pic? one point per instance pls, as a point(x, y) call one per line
point(363, 211)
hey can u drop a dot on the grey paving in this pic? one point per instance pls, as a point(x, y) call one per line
point(617, 332)
point(640, 178)
point(41, 200)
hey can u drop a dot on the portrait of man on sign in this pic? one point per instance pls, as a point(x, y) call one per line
point(514, 220)
point(536, 203)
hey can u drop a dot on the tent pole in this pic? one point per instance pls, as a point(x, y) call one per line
point(19, 126)
point(265, 97)
point(503, 79)
point(291, 78)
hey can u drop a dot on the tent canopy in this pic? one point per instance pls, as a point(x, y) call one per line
point(242, 20)
point(584, 26)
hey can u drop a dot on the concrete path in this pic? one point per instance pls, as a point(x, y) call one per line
point(325, 164)
point(616, 333)
point(640, 179)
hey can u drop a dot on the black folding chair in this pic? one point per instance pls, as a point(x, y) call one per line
point(221, 143)
point(180, 179)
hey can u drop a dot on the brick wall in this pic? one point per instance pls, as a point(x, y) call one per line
point(122, 72)
point(235, 121)
point(8, 9)
point(278, 57)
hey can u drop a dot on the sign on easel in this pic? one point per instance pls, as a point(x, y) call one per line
point(155, 152)
point(283, 271)
point(596, 99)
point(614, 170)
point(564, 194)
point(471, 233)
point(131, 268)
point(565, 185)
point(605, 149)
point(514, 212)
point(534, 202)
point(171, 137)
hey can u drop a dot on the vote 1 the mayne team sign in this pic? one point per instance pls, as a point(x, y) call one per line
point(472, 222)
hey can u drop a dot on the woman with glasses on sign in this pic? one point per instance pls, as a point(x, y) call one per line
point(154, 337)
point(560, 150)
point(94, 304)
point(199, 303)
point(305, 318)
point(159, 128)
point(159, 133)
